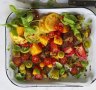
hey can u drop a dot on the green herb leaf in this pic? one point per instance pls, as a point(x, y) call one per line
point(29, 18)
point(71, 20)
point(19, 13)
point(78, 75)
point(13, 9)
point(84, 63)
point(25, 22)
point(14, 32)
point(20, 76)
point(62, 71)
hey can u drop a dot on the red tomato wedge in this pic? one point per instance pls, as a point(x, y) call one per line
point(54, 47)
point(69, 51)
point(80, 52)
point(38, 77)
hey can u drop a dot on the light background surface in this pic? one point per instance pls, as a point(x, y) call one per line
point(5, 84)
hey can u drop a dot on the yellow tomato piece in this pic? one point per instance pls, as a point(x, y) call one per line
point(20, 31)
point(42, 27)
point(51, 20)
point(17, 39)
point(65, 29)
point(58, 40)
point(36, 71)
point(50, 66)
point(44, 40)
point(42, 64)
point(35, 49)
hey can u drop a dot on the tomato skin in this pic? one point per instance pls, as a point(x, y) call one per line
point(59, 27)
point(30, 45)
point(25, 57)
point(74, 71)
point(63, 60)
point(17, 61)
point(53, 60)
point(78, 64)
point(47, 61)
point(51, 34)
point(57, 33)
point(40, 45)
point(35, 59)
point(53, 47)
point(80, 52)
point(69, 51)
point(39, 77)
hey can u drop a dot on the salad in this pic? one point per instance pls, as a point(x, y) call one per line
point(48, 46)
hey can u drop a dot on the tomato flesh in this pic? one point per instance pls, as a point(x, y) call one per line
point(74, 71)
point(35, 59)
point(17, 61)
point(69, 51)
point(80, 52)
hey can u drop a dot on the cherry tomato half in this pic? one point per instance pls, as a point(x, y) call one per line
point(47, 61)
point(63, 60)
point(38, 76)
point(17, 61)
point(74, 71)
point(25, 57)
point(35, 59)
point(54, 48)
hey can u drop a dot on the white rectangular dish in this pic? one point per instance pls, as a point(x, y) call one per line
point(91, 74)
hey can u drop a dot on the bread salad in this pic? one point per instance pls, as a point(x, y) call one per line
point(48, 46)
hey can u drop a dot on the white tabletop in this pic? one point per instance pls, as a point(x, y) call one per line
point(5, 84)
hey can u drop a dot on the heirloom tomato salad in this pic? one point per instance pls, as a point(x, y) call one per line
point(48, 46)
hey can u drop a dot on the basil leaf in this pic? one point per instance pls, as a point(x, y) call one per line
point(29, 18)
point(13, 9)
point(25, 23)
point(14, 32)
point(62, 71)
point(19, 13)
